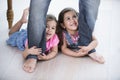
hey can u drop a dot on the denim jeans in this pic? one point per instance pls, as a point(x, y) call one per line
point(37, 24)
point(37, 19)
point(88, 10)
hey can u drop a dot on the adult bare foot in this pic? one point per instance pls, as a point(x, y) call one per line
point(98, 58)
point(30, 65)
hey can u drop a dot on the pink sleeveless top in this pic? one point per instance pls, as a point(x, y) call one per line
point(50, 43)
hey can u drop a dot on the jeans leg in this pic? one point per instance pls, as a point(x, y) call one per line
point(31, 56)
point(36, 23)
point(88, 10)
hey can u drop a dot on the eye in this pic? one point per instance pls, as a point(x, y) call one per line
point(74, 16)
point(68, 18)
point(53, 27)
point(46, 26)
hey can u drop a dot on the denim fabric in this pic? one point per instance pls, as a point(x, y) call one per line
point(31, 56)
point(71, 45)
point(18, 39)
point(36, 25)
point(88, 14)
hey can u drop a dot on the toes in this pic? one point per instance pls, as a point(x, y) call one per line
point(97, 57)
point(29, 65)
point(31, 69)
point(25, 67)
point(101, 59)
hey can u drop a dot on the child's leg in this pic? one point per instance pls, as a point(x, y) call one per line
point(18, 25)
point(98, 58)
point(25, 15)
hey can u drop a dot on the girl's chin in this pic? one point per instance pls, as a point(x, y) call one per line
point(47, 38)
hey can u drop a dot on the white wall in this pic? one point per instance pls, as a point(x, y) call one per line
point(55, 7)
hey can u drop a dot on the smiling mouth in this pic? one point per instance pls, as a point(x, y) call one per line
point(48, 34)
point(74, 24)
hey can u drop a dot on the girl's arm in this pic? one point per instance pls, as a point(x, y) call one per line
point(52, 54)
point(33, 50)
point(68, 51)
point(25, 52)
point(93, 44)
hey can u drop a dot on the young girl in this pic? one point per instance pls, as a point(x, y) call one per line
point(34, 54)
point(68, 35)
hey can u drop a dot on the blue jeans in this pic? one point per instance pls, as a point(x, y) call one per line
point(88, 10)
point(37, 19)
point(37, 24)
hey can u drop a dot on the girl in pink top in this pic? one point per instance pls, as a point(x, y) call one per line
point(51, 42)
point(51, 46)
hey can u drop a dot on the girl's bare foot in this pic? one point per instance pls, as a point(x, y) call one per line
point(30, 65)
point(98, 58)
point(25, 15)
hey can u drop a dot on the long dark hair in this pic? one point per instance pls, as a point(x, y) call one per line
point(60, 28)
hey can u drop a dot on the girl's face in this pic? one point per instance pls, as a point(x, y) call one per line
point(50, 29)
point(70, 21)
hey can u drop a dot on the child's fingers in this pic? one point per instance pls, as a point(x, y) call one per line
point(38, 51)
point(39, 57)
point(34, 47)
point(35, 50)
point(43, 54)
point(80, 46)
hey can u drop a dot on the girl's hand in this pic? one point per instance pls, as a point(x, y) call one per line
point(79, 53)
point(42, 57)
point(34, 50)
point(84, 49)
